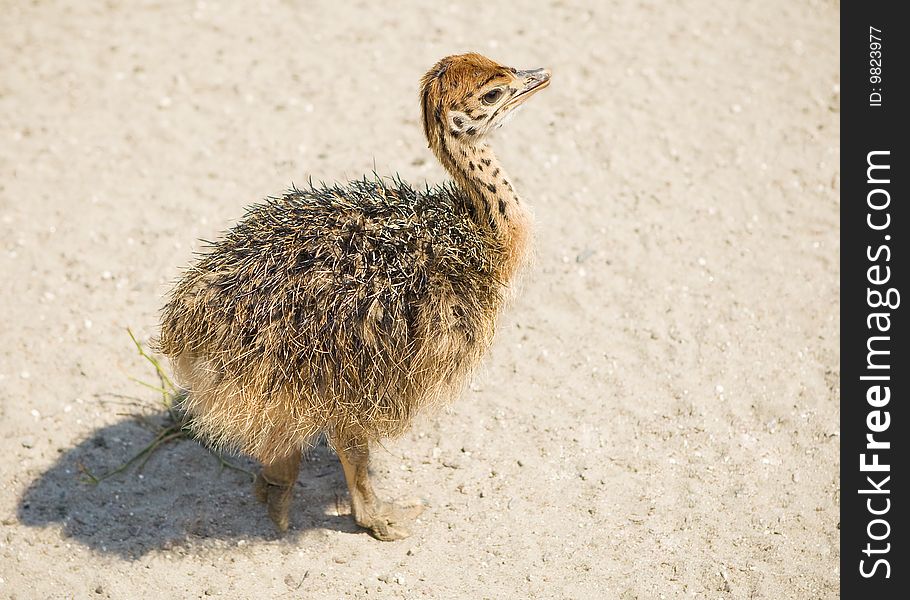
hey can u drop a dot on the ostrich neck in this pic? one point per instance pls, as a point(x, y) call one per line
point(491, 199)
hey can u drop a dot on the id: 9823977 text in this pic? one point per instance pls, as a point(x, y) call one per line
point(875, 66)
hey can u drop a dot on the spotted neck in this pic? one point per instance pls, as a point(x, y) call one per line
point(491, 199)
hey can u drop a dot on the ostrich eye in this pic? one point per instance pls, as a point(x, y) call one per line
point(492, 96)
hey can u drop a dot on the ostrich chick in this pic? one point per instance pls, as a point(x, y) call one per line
point(344, 310)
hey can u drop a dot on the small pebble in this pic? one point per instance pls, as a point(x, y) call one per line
point(584, 255)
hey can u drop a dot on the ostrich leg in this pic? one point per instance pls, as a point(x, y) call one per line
point(385, 520)
point(275, 486)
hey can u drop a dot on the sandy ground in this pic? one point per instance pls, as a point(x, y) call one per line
point(658, 417)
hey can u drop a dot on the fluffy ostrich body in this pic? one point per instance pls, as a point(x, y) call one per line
point(345, 310)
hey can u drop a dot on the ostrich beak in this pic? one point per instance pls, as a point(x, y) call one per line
point(531, 82)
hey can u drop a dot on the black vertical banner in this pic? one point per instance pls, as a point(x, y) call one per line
point(875, 371)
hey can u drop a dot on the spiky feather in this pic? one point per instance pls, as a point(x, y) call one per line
point(342, 309)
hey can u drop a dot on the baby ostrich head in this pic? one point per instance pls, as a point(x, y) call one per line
point(465, 97)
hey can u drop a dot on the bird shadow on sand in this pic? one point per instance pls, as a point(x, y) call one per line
point(181, 495)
